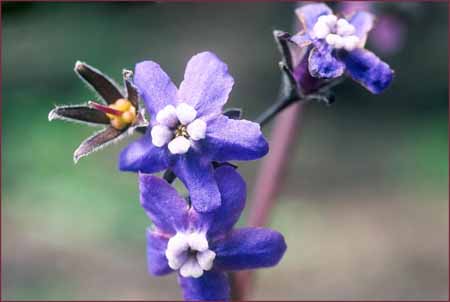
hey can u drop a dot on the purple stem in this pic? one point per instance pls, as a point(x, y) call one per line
point(268, 183)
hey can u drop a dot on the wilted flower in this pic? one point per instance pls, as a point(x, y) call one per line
point(188, 129)
point(337, 44)
point(201, 247)
point(120, 112)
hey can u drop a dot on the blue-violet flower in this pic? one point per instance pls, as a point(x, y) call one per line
point(202, 247)
point(337, 45)
point(187, 128)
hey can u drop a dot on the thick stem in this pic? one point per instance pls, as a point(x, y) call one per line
point(283, 137)
point(269, 181)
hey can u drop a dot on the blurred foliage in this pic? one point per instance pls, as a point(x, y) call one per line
point(77, 232)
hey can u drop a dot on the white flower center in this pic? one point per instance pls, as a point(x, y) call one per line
point(337, 32)
point(189, 253)
point(177, 127)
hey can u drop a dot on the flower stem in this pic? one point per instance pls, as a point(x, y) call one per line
point(273, 110)
point(269, 181)
point(321, 94)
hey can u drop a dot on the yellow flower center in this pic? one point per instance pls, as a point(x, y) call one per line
point(126, 115)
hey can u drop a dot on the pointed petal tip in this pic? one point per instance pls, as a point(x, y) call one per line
point(76, 157)
point(280, 35)
point(79, 65)
point(277, 33)
point(77, 154)
point(52, 115)
point(127, 74)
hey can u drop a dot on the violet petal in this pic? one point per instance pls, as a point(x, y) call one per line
point(322, 64)
point(211, 285)
point(301, 39)
point(249, 248)
point(206, 84)
point(197, 173)
point(308, 14)
point(141, 155)
point(162, 203)
point(232, 189)
point(156, 258)
point(155, 86)
point(363, 23)
point(368, 70)
point(228, 139)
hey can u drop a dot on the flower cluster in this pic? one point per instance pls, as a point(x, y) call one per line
point(187, 132)
point(328, 46)
point(191, 136)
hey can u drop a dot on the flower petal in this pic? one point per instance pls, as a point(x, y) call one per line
point(176, 260)
point(167, 116)
point(291, 52)
point(301, 39)
point(197, 241)
point(210, 286)
point(306, 82)
point(179, 145)
point(141, 155)
point(178, 244)
point(196, 130)
point(79, 113)
point(249, 248)
point(206, 259)
point(368, 70)
point(155, 86)
point(228, 139)
point(101, 83)
point(363, 23)
point(161, 135)
point(206, 84)
point(132, 93)
point(322, 63)
point(233, 191)
point(197, 174)
point(97, 141)
point(191, 268)
point(162, 203)
point(156, 258)
point(308, 14)
point(185, 113)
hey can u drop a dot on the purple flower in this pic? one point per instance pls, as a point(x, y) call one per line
point(337, 44)
point(188, 130)
point(201, 247)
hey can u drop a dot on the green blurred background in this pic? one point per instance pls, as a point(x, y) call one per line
point(364, 206)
